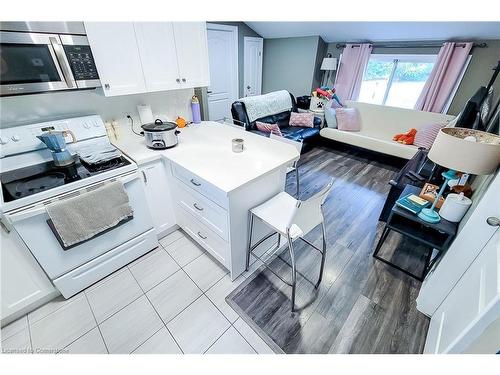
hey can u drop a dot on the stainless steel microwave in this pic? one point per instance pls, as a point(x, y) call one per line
point(34, 62)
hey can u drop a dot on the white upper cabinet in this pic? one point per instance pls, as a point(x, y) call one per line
point(192, 53)
point(141, 57)
point(117, 58)
point(158, 55)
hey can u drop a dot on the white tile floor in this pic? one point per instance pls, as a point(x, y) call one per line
point(171, 300)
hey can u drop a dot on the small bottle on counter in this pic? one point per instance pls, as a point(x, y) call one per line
point(195, 108)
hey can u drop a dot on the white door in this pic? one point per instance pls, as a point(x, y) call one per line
point(223, 63)
point(158, 196)
point(192, 53)
point(472, 305)
point(114, 47)
point(253, 66)
point(158, 55)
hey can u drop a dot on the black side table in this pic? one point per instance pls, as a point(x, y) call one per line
point(436, 236)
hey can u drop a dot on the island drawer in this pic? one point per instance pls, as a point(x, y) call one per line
point(209, 213)
point(201, 186)
point(207, 238)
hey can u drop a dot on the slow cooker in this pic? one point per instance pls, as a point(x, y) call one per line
point(160, 135)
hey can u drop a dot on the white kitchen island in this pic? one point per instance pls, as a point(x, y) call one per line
point(205, 188)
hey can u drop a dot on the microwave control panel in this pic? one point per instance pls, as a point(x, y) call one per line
point(81, 61)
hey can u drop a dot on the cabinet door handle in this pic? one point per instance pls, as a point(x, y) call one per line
point(144, 177)
point(184, 80)
point(197, 207)
point(195, 183)
point(178, 80)
point(201, 236)
point(493, 221)
point(107, 86)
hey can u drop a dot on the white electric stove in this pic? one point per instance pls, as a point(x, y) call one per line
point(30, 181)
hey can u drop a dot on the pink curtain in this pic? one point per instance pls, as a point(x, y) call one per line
point(449, 64)
point(350, 73)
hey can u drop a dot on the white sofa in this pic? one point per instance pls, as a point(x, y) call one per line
point(380, 123)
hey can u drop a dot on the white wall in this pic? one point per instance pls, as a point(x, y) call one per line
point(20, 110)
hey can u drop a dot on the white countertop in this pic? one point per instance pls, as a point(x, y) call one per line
point(206, 150)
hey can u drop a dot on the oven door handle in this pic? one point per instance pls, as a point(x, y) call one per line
point(63, 62)
point(41, 207)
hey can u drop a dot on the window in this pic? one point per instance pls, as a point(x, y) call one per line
point(395, 80)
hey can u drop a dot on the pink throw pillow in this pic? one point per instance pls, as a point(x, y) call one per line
point(427, 134)
point(268, 128)
point(348, 119)
point(304, 119)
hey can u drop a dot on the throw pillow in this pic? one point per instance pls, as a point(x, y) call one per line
point(427, 134)
point(348, 119)
point(305, 119)
point(331, 120)
point(268, 128)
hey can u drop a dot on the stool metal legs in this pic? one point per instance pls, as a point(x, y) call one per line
point(294, 271)
point(323, 255)
point(293, 282)
point(297, 180)
point(249, 248)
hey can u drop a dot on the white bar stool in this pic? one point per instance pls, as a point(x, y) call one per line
point(294, 219)
point(294, 166)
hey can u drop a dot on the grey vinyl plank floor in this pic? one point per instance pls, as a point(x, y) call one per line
point(362, 305)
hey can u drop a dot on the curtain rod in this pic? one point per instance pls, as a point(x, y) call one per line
point(407, 45)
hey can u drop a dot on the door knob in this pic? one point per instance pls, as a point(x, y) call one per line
point(249, 87)
point(493, 221)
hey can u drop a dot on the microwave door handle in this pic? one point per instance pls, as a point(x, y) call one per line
point(63, 62)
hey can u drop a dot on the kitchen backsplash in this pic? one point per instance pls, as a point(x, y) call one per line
point(21, 110)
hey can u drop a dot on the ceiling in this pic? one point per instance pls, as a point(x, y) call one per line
point(380, 31)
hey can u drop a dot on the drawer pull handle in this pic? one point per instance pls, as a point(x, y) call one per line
point(201, 236)
point(195, 183)
point(197, 207)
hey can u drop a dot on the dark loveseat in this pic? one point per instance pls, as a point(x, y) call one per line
point(291, 132)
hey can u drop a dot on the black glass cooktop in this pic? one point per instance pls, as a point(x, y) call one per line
point(23, 182)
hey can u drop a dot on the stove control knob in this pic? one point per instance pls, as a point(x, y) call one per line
point(15, 138)
point(96, 124)
point(3, 141)
point(86, 125)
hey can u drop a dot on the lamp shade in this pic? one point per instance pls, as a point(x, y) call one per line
point(329, 63)
point(466, 150)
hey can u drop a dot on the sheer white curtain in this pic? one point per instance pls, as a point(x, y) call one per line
point(351, 69)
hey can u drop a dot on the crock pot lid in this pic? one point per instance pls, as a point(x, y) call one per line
point(159, 127)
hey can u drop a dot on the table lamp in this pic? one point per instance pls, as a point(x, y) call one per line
point(463, 150)
point(329, 63)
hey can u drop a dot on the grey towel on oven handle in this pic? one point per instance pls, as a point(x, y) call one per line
point(80, 218)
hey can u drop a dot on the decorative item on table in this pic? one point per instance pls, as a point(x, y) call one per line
point(195, 108)
point(460, 185)
point(455, 207)
point(466, 150)
point(238, 145)
point(412, 203)
point(406, 138)
point(429, 192)
point(181, 122)
point(321, 96)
